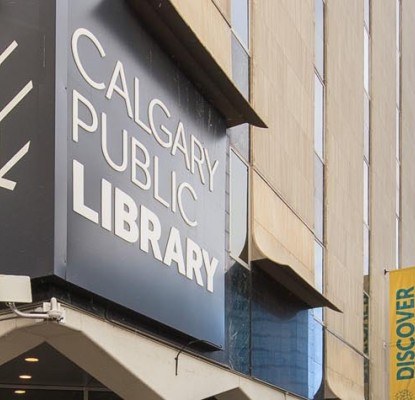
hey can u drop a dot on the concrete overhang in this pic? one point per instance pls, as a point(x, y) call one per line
point(175, 36)
point(287, 277)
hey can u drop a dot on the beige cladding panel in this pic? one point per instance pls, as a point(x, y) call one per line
point(282, 92)
point(344, 378)
point(344, 160)
point(210, 26)
point(408, 134)
point(344, 194)
point(278, 233)
point(383, 185)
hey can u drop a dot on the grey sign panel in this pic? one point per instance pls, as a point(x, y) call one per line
point(27, 48)
point(146, 159)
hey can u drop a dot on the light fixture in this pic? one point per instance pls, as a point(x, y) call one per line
point(20, 391)
point(24, 376)
point(31, 359)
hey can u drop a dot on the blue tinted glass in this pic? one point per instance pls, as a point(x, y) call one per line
point(239, 208)
point(238, 317)
point(287, 342)
point(315, 358)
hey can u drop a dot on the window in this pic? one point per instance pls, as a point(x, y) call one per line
point(318, 117)
point(238, 209)
point(240, 45)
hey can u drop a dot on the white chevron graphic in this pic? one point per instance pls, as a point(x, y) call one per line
point(16, 100)
point(6, 183)
point(8, 51)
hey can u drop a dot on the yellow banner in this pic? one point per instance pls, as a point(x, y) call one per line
point(402, 334)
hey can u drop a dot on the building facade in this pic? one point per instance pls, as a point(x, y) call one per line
point(213, 190)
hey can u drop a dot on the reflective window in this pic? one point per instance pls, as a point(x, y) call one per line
point(239, 138)
point(239, 208)
point(398, 189)
point(238, 317)
point(367, 13)
point(318, 266)
point(366, 250)
point(365, 193)
point(366, 342)
point(398, 23)
point(240, 20)
point(397, 238)
point(398, 78)
point(287, 342)
point(366, 60)
point(397, 134)
point(319, 36)
point(366, 135)
point(240, 67)
point(318, 198)
point(318, 117)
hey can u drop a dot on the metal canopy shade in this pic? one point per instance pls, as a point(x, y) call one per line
point(164, 22)
point(287, 277)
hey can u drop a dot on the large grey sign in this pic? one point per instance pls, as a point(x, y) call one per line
point(112, 165)
point(146, 175)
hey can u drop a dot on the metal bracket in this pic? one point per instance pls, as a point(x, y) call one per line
point(52, 311)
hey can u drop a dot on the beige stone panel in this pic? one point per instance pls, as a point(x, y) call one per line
point(344, 374)
point(344, 174)
point(282, 91)
point(383, 186)
point(210, 26)
point(278, 233)
point(408, 134)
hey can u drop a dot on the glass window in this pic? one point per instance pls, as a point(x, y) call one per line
point(318, 266)
point(365, 323)
point(318, 198)
point(398, 24)
point(366, 250)
point(397, 134)
point(318, 117)
point(398, 188)
point(367, 13)
point(319, 36)
point(398, 78)
point(239, 138)
point(366, 60)
point(239, 208)
point(366, 127)
point(240, 20)
point(397, 259)
point(365, 193)
point(240, 67)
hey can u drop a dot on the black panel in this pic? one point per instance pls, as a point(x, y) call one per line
point(27, 136)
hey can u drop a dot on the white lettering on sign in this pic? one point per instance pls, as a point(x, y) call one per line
point(7, 183)
point(141, 226)
point(117, 211)
point(196, 157)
